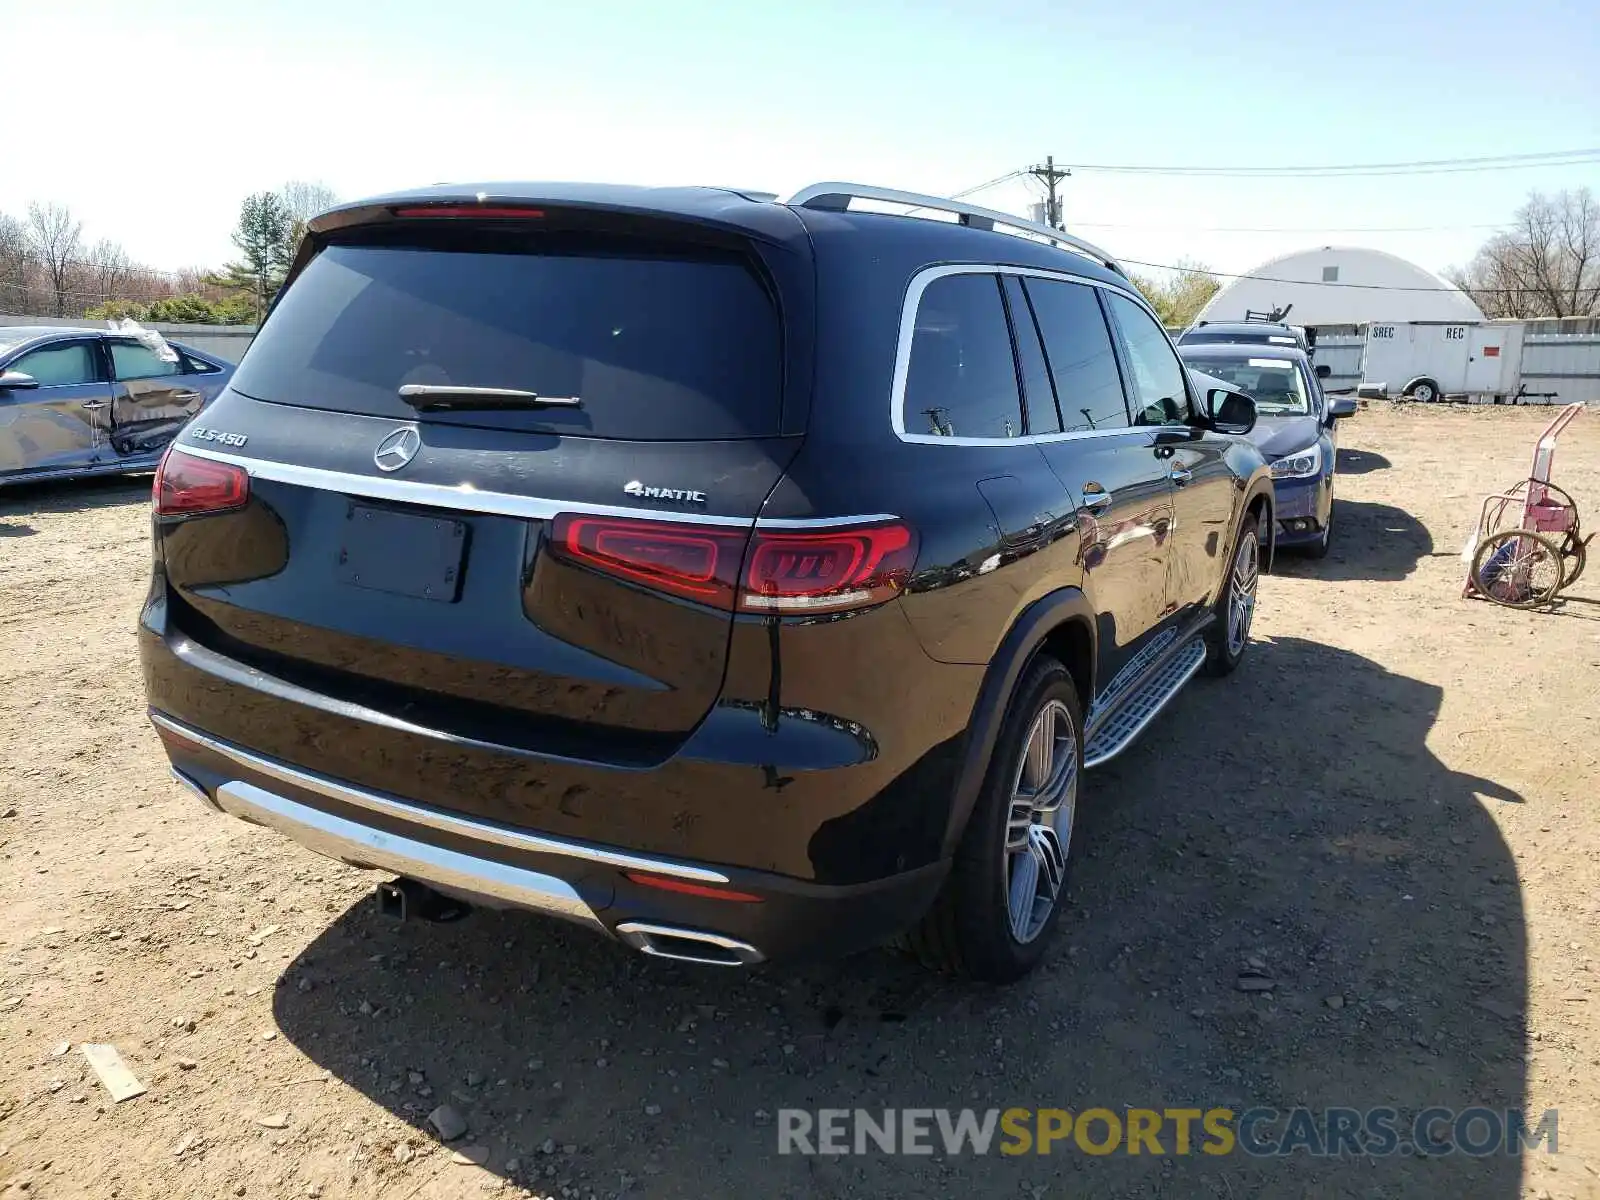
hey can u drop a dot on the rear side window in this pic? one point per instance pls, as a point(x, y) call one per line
point(130, 360)
point(657, 346)
point(962, 377)
point(1082, 361)
point(1037, 391)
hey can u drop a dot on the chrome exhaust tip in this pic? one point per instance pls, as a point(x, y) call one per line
point(688, 945)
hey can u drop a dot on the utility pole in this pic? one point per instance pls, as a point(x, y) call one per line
point(1050, 176)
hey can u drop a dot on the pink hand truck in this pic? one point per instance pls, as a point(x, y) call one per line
point(1528, 544)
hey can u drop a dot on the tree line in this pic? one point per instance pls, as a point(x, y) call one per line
point(1546, 263)
point(49, 268)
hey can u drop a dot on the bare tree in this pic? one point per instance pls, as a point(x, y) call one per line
point(302, 201)
point(1546, 265)
point(13, 265)
point(53, 235)
point(109, 270)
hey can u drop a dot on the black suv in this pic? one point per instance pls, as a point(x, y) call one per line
point(736, 578)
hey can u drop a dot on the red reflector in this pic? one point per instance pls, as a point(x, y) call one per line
point(810, 571)
point(467, 210)
point(666, 884)
point(1491, 351)
point(187, 486)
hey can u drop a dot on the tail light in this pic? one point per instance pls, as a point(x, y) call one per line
point(469, 211)
point(799, 571)
point(187, 486)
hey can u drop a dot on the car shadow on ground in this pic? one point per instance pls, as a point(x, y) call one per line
point(72, 495)
point(1370, 541)
point(1360, 462)
point(1288, 826)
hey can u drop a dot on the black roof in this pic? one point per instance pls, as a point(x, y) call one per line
point(753, 214)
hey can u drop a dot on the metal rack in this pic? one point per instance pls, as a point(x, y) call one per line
point(837, 196)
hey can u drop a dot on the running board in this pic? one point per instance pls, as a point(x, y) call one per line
point(1117, 731)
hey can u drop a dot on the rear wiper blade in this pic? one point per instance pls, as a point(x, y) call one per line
point(437, 397)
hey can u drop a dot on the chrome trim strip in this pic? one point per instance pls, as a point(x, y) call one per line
point(638, 934)
point(450, 870)
point(190, 786)
point(453, 824)
point(466, 498)
point(902, 358)
point(814, 196)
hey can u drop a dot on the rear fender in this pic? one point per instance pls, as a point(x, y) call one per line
point(1022, 642)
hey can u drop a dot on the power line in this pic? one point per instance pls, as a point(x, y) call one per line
point(1501, 162)
point(983, 187)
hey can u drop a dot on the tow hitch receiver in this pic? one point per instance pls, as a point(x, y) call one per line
point(406, 899)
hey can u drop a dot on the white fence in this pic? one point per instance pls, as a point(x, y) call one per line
point(227, 342)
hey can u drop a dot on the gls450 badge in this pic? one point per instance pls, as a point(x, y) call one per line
point(634, 488)
point(217, 435)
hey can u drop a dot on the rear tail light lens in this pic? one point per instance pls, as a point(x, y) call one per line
point(827, 570)
point(187, 486)
point(802, 571)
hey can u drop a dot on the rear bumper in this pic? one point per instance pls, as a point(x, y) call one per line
point(581, 882)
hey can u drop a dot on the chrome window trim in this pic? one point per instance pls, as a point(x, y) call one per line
point(466, 498)
point(908, 324)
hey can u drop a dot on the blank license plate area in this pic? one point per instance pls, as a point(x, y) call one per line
point(402, 554)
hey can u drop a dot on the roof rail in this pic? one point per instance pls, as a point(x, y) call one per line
point(837, 197)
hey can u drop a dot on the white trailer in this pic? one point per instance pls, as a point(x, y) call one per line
point(1429, 360)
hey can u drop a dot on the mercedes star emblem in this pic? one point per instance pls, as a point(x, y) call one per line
point(396, 450)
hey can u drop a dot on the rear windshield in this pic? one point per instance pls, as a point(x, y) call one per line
point(656, 346)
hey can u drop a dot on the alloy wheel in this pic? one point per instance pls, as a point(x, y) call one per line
point(1044, 801)
point(1242, 594)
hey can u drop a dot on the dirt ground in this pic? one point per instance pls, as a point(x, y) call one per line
point(1392, 812)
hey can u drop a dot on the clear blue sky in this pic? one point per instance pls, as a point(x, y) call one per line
point(155, 118)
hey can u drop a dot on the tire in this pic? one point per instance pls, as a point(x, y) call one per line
point(1518, 569)
point(970, 931)
point(1423, 391)
point(1223, 654)
point(1320, 547)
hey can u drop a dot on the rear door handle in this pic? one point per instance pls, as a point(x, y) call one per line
point(92, 405)
point(1181, 475)
point(1095, 501)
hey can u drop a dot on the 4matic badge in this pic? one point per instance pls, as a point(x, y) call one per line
point(684, 496)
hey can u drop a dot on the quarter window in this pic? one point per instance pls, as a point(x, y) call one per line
point(1082, 361)
point(131, 360)
point(962, 377)
point(60, 366)
point(1159, 394)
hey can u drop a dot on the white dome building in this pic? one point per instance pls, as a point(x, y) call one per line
point(1392, 290)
